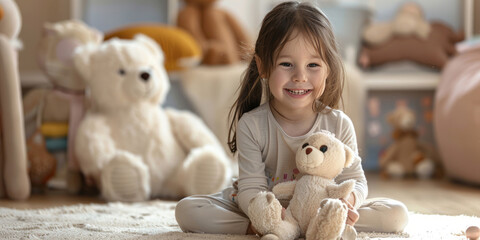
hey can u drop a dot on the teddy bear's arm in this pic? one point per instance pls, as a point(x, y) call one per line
point(94, 146)
point(189, 19)
point(284, 190)
point(342, 190)
point(388, 156)
point(190, 130)
point(240, 34)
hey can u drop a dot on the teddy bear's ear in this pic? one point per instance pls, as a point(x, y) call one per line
point(270, 197)
point(349, 156)
point(81, 60)
point(151, 45)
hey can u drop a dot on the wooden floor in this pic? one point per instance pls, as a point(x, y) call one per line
point(422, 196)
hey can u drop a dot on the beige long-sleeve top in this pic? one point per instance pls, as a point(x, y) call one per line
point(266, 154)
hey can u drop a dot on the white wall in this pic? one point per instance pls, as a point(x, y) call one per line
point(106, 15)
point(447, 11)
point(251, 12)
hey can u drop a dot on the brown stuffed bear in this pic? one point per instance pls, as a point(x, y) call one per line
point(220, 36)
point(407, 155)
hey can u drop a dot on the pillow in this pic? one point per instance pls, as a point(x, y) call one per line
point(180, 49)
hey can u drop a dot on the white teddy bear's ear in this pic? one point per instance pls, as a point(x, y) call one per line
point(81, 60)
point(349, 155)
point(151, 45)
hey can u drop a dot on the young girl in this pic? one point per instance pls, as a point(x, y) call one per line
point(297, 70)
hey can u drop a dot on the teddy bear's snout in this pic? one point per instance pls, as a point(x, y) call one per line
point(145, 76)
point(308, 150)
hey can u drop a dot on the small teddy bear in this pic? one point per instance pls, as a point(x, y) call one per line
point(406, 155)
point(315, 210)
point(127, 143)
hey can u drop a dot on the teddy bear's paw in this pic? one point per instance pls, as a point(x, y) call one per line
point(206, 171)
point(329, 222)
point(265, 212)
point(396, 170)
point(270, 237)
point(125, 178)
point(349, 233)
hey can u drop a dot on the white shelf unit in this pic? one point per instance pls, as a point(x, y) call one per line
point(401, 81)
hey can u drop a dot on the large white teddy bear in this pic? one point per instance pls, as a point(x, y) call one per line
point(315, 210)
point(131, 147)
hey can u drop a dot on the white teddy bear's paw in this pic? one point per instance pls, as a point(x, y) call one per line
point(265, 212)
point(125, 178)
point(270, 237)
point(329, 222)
point(349, 233)
point(206, 171)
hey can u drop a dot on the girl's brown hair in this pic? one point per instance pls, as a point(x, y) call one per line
point(276, 30)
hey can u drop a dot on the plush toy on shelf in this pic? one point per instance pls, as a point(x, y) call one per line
point(220, 35)
point(64, 103)
point(409, 21)
point(315, 210)
point(407, 155)
point(130, 146)
point(14, 180)
point(408, 37)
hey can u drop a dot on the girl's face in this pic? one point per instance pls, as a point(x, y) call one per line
point(299, 75)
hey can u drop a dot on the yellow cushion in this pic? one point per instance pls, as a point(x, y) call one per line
point(177, 44)
point(54, 130)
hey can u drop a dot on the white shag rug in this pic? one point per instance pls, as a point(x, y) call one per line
point(156, 220)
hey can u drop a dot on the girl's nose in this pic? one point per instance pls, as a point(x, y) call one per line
point(300, 76)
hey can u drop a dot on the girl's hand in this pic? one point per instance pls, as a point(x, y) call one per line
point(283, 213)
point(352, 216)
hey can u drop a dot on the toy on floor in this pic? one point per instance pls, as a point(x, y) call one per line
point(55, 56)
point(14, 180)
point(406, 155)
point(127, 143)
point(315, 210)
point(42, 164)
point(431, 45)
point(220, 35)
point(472, 233)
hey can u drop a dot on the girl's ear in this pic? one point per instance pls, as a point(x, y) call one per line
point(259, 66)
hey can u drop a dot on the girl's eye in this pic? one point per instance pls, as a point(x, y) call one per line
point(121, 71)
point(285, 64)
point(313, 65)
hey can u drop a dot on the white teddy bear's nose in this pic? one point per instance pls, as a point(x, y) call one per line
point(145, 76)
point(308, 150)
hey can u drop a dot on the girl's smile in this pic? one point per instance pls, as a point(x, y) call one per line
point(298, 93)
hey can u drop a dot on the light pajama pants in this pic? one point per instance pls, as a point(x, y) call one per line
point(218, 214)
